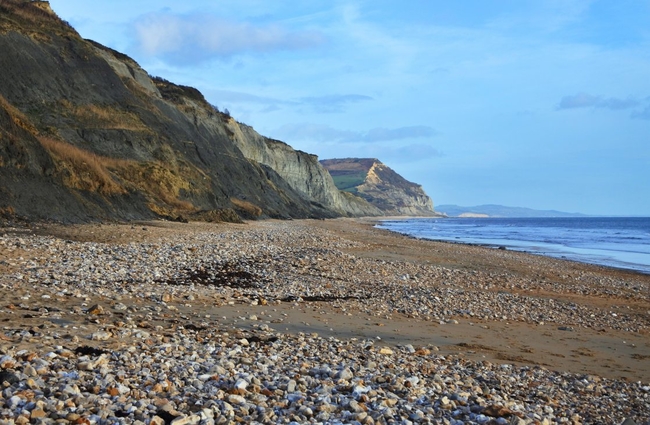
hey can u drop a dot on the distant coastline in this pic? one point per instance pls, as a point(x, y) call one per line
point(495, 211)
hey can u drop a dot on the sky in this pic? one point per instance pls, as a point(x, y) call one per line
point(542, 104)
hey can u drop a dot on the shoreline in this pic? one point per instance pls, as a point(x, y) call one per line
point(329, 284)
point(640, 268)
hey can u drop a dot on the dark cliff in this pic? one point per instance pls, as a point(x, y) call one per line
point(85, 133)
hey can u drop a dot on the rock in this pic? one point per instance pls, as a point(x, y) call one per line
point(386, 350)
point(21, 420)
point(344, 374)
point(422, 352)
point(236, 399)
point(157, 420)
point(101, 336)
point(412, 381)
point(71, 389)
point(7, 362)
point(96, 309)
point(355, 406)
point(14, 401)
point(94, 364)
point(241, 384)
point(186, 420)
point(417, 416)
point(306, 411)
point(10, 377)
point(38, 413)
point(497, 411)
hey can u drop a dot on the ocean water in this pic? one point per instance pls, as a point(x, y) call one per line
point(622, 242)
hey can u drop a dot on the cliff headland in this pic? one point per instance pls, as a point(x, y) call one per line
point(87, 134)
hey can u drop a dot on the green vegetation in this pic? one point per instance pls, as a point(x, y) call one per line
point(348, 182)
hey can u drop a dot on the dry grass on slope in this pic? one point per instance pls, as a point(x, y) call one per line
point(102, 116)
point(248, 208)
point(84, 170)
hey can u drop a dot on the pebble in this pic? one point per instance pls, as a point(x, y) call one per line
point(157, 365)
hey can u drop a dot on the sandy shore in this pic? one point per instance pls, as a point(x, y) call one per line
point(340, 279)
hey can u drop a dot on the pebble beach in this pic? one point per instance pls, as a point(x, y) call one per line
point(310, 321)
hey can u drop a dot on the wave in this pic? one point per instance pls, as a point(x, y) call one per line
point(617, 242)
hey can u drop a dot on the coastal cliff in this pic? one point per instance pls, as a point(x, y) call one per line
point(301, 170)
point(86, 133)
point(382, 187)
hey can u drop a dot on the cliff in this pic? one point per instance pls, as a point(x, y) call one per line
point(301, 170)
point(382, 187)
point(86, 133)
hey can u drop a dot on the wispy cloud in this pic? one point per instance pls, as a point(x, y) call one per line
point(318, 104)
point(325, 133)
point(643, 114)
point(585, 100)
point(413, 132)
point(241, 97)
point(315, 133)
point(332, 103)
point(190, 39)
point(640, 107)
point(410, 153)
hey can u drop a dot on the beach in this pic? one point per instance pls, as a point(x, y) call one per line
point(322, 321)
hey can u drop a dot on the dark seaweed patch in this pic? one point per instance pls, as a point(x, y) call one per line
point(230, 275)
point(86, 350)
point(259, 340)
point(323, 298)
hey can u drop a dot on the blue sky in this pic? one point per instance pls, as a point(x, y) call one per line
point(542, 104)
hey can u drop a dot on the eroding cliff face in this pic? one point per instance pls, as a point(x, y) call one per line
point(382, 187)
point(87, 134)
point(301, 170)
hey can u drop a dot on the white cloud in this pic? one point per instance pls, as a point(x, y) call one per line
point(410, 153)
point(315, 133)
point(190, 39)
point(585, 100)
point(318, 104)
point(324, 133)
point(580, 100)
point(332, 103)
point(241, 97)
point(643, 114)
point(382, 134)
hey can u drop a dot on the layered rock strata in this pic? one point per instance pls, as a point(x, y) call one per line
point(382, 187)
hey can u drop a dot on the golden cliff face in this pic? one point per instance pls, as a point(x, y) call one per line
point(381, 186)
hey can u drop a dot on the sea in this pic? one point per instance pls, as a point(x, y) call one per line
point(621, 242)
